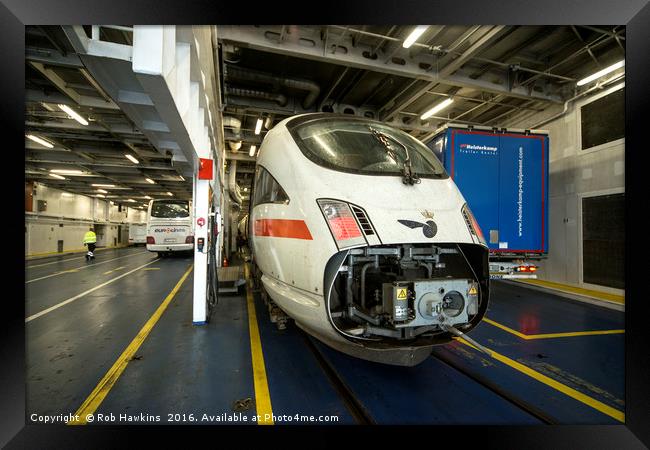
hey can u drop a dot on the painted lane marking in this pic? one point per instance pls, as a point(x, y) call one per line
point(576, 395)
point(76, 297)
point(620, 299)
point(152, 268)
point(89, 265)
point(262, 396)
point(97, 396)
point(551, 335)
point(53, 262)
point(114, 270)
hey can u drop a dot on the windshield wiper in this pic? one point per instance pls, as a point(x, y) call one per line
point(410, 177)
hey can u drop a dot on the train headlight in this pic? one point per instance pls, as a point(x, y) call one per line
point(342, 223)
point(473, 226)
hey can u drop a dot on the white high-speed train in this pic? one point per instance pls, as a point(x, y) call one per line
point(359, 235)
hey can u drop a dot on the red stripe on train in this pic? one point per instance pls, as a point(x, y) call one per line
point(295, 229)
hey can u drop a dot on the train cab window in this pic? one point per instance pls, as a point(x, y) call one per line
point(365, 147)
point(266, 189)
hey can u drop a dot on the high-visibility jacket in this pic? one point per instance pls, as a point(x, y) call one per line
point(90, 237)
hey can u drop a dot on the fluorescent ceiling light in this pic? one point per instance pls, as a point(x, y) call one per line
point(100, 195)
point(132, 158)
point(181, 177)
point(58, 177)
point(48, 107)
point(103, 185)
point(258, 126)
point(39, 140)
point(131, 200)
point(149, 180)
point(102, 191)
point(74, 114)
point(439, 107)
point(170, 194)
point(147, 197)
point(67, 171)
point(252, 150)
point(600, 73)
point(415, 34)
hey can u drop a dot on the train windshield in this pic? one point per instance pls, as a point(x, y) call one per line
point(353, 146)
point(170, 209)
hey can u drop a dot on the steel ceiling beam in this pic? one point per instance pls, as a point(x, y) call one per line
point(61, 85)
point(312, 47)
point(100, 164)
point(600, 40)
point(240, 156)
point(51, 57)
point(72, 125)
point(483, 37)
point(600, 30)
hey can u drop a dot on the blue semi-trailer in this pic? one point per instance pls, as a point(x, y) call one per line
point(503, 176)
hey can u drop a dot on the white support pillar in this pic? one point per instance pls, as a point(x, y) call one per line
point(201, 203)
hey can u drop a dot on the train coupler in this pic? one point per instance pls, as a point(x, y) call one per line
point(460, 334)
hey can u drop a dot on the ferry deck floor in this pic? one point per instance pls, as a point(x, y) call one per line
point(113, 341)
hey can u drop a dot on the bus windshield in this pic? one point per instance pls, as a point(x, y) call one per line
point(170, 209)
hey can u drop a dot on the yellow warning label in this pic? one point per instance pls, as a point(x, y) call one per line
point(401, 293)
point(473, 291)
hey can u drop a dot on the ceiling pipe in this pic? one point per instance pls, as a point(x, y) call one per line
point(280, 99)
point(598, 86)
point(313, 89)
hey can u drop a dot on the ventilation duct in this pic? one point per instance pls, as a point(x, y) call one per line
point(280, 99)
point(232, 184)
point(232, 122)
point(313, 89)
point(234, 145)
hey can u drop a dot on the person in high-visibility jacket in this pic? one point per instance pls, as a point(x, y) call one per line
point(90, 238)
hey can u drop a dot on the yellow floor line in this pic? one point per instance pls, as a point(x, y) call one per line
point(114, 270)
point(97, 396)
point(576, 290)
point(576, 395)
point(85, 266)
point(551, 335)
point(262, 395)
point(574, 333)
point(152, 268)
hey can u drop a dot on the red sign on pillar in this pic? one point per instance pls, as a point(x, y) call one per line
point(205, 169)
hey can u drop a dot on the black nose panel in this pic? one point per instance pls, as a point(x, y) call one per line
point(430, 229)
